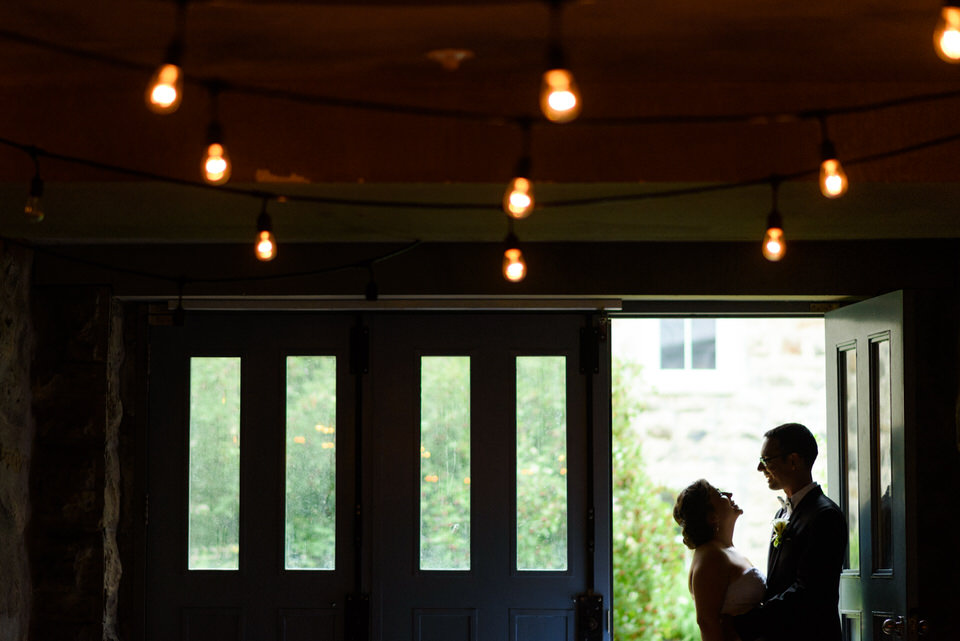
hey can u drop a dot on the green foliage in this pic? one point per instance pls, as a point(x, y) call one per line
point(214, 527)
point(541, 463)
point(311, 490)
point(651, 600)
point(445, 462)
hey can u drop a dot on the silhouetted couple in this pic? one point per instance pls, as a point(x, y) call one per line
point(798, 599)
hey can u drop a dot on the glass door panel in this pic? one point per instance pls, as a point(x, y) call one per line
point(310, 497)
point(541, 463)
point(444, 457)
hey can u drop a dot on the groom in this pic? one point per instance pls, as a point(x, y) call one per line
point(807, 547)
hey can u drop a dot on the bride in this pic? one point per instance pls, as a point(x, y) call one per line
point(722, 580)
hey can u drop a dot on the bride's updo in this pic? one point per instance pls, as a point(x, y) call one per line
point(692, 511)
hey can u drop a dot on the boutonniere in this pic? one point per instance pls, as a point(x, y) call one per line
point(779, 525)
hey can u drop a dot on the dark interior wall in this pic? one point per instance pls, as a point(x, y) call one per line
point(661, 270)
point(86, 557)
point(16, 441)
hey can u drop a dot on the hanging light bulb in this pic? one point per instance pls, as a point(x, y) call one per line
point(518, 197)
point(946, 37)
point(833, 180)
point(165, 89)
point(266, 245)
point(216, 163)
point(514, 266)
point(33, 208)
point(774, 244)
point(559, 95)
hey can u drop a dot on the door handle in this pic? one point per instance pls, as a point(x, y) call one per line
point(893, 627)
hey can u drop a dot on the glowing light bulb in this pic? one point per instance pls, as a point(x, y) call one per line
point(559, 96)
point(518, 198)
point(946, 37)
point(266, 244)
point(165, 89)
point(774, 244)
point(216, 164)
point(34, 206)
point(514, 267)
point(833, 180)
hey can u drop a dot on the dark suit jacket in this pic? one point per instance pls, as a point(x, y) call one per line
point(803, 577)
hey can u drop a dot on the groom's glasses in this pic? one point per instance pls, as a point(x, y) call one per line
point(765, 459)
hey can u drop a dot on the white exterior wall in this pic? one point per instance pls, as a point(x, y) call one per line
point(710, 423)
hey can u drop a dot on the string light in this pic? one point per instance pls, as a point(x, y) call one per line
point(215, 167)
point(559, 94)
point(833, 179)
point(774, 243)
point(518, 198)
point(266, 244)
point(946, 37)
point(514, 265)
point(216, 163)
point(165, 89)
point(34, 206)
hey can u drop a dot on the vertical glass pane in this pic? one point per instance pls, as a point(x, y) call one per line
point(671, 343)
point(883, 465)
point(847, 360)
point(445, 463)
point(214, 484)
point(311, 468)
point(703, 343)
point(541, 463)
point(851, 626)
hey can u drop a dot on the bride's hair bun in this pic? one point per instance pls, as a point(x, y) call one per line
point(692, 512)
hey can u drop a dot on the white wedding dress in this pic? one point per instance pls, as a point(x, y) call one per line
point(744, 592)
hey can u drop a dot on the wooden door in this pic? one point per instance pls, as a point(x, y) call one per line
point(872, 453)
point(488, 538)
point(453, 465)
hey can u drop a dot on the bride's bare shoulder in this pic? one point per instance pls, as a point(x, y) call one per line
point(709, 557)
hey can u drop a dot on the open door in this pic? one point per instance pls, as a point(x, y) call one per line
point(872, 457)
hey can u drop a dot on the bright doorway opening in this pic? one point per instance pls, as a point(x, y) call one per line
point(692, 398)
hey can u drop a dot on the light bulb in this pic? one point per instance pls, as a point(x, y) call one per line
point(946, 37)
point(774, 244)
point(518, 198)
point(216, 164)
point(559, 96)
point(266, 244)
point(514, 267)
point(833, 180)
point(165, 89)
point(33, 208)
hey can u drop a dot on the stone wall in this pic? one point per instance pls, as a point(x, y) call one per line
point(74, 484)
point(16, 437)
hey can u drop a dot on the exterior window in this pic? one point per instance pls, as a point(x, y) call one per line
point(688, 343)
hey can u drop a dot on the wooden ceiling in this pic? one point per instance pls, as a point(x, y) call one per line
point(344, 102)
